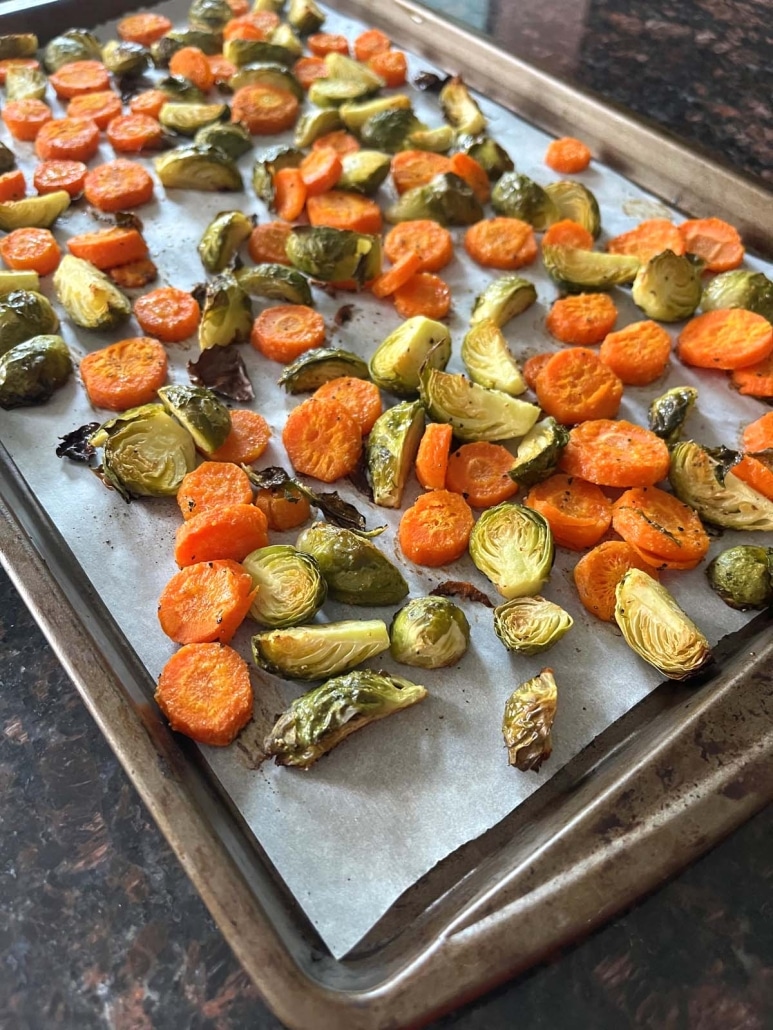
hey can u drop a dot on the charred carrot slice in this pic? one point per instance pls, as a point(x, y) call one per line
point(125, 374)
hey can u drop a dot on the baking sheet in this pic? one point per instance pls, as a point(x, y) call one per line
point(350, 836)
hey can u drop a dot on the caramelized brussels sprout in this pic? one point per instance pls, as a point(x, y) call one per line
point(209, 14)
point(318, 651)
point(388, 130)
point(528, 720)
point(460, 109)
point(439, 140)
point(146, 453)
point(73, 45)
point(476, 413)
point(231, 138)
point(391, 451)
point(518, 196)
point(186, 118)
point(205, 417)
point(320, 365)
point(577, 270)
point(334, 93)
point(356, 571)
point(446, 199)
point(38, 212)
point(743, 576)
point(657, 629)
point(512, 545)
point(305, 16)
point(668, 287)
point(227, 313)
point(88, 296)
point(162, 51)
point(335, 255)
point(530, 625)
point(290, 587)
point(364, 171)
point(398, 360)
point(18, 280)
point(285, 37)
point(198, 167)
point(668, 412)
point(242, 52)
point(22, 83)
point(488, 360)
point(489, 154)
point(7, 159)
point(276, 282)
point(222, 238)
point(538, 453)
point(503, 299)
point(702, 481)
point(354, 114)
point(125, 59)
point(24, 314)
point(273, 75)
point(32, 370)
point(740, 289)
point(344, 68)
point(314, 124)
point(576, 202)
point(19, 44)
point(181, 90)
point(429, 633)
point(267, 165)
point(316, 722)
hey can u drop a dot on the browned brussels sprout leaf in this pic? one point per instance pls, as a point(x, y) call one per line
point(223, 371)
point(528, 720)
point(76, 445)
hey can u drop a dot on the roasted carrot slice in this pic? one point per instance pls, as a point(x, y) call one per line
point(391, 66)
point(205, 602)
point(13, 185)
point(615, 453)
point(575, 385)
point(322, 440)
point(289, 193)
point(169, 314)
point(341, 210)
point(268, 243)
point(370, 42)
point(144, 28)
point(284, 332)
point(578, 512)
point(598, 572)
point(713, 240)
point(638, 354)
point(322, 43)
point(433, 455)
point(582, 319)
point(284, 506)
point(78, 77)
point(650, 237)
point(411, 168)
point(429, 240)
point(436, 529)
point(193, 65)
point(479, 472)
point(230, 531)
point(568, 234)
point(755, 380)
point(659, 524)
point(132, 133)
point(264, 110)
point(423, 294)
point(504, 243)
point(567, 155)
point(25, 119)
point(248, 439)
point(118, 184)
point(730, 338)
point(320, 171)
point(106, 248)
point(758, 435)
point(360, 397)
point(101, 107)
point(33, 249)
point(126, 374)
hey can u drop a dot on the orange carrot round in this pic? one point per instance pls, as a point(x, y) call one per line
point(192, 64)
point(578, 512)
point(730, 338)
point(308, 69)
point(34, 249)
point(582, 319)
point(289, 193)
point(248, 439)
point(284, 506)
point(205, 602)
point(360, 397)
point(204, 690)
point(213, 484)
point(25, 119)
point(132, 133)
point(13, 185)
point(411, 168)
point(52, 176)
point(339, 140)
point(78, 77)
point(144, 28)
point(388, 282)
point(598, 572)
point(755, 474)
point(473, 173)
point(149, 102)
point(101, 107)
point(504, 243)
point(714, 241)
point(320, 171)
point(251, 25)
point(284, 332)
point(125, 374)
point(118, 184)
point(650, 237)
point(436, 529)
point(370, 42)
point(433, 455)
point(222, 69)
point(638, 354)
point(533, 366)
point(659, 525)
point(567, 155)
point(268, 243)
point(391, 66)
point(423, 294)
point(107, 248)
point(568, 234)
point(322, 439)
point(758, 435)
point(322, 43)
point(338, 209)
point(575, 385)
point(615, 453)
point(755, 380)
point(430, 241)
point(479, 472)
point(231, 531)
point(170, 314)
point(264, 110)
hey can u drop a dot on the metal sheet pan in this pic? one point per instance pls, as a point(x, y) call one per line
point(680, 770)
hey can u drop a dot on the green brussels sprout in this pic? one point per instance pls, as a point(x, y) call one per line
point(743, 576)
point(364, 171)
point(24, 314)
point(320, 365)
point(73, 45)
point(576, 202)
point(476, 413)
point(181, 90)
point(19, 44)
point(290, 587)
point(305, 16)
point(334, 255)
point(267, 165)
point(230, 138)
point(222, 238)
point(22, 83)
point(274, 75)
point(209, 15)
point(700, 480)
point(356, 571)
point(205, 417)
point(668, 288)
point(18, 280)
point(446, 199)
point(503, 299)
point(146, 453)
point(314, 124)
point(668, 412)
point(460, 109)
point(528, 720)
point(391, 451)
point(518, 196)
point(657, 629)
point(740, 289)
point(285, 37)
point(512, 545)
point(123, 58)
point(164, 49)
point(198, 167)
point(227, 313)
point(538, 453)
point(530, 625)
point(38, 212)
point(577, 270)
point(438, 140)
point(7, 159)
point(398, 360)
point(489, 154)
point(186, 118)
point(276, 282)
point(354, 114)
point(90, 298)
point(429, 633)
point(243, 52)
point(388, 130)
point(316, 652)
point(488, 360)
point(268, 5)
point(329, 93)
point(32, 370)
point(316, 722)
point(341, 67)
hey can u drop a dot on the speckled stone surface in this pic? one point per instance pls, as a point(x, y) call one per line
point(99, 926)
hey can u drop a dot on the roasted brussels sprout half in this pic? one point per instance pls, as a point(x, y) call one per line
point(578, 270)
point(268, 5)
point(354, 114)
point(576, 202)
point(398, 360)
point(227, 313)
point(668, 288)
point(290, 587)
point(528, 720)
point(146, 453)
point(305, 16)
point(518, 196)
point(18, 280)
point(267, 165)
point(657, 629)
point(285, 36)
point(488, 153)
point(181, 90)
point(7, 159)
point(341, 67)
point(438, 140)
point(198, 167)
point(19, 44)
point(222, 238)
point(22, 83)
point(391, 451)
point(335, 255)
point(488, 360)
point(446, 199)
point(242, 52)
point(316, 722)
point(38, 212)
point(276, 282)
point(88, 296)
point(73, 45)
point(476, 413)
point(740, 289)
point(164, 49)
point(356, 571)
point(334, 93)
point(668, 412)
point(209, 15)
point(316, 652)
point(512, 545)
point(503, 299)
point(429, 633)
point(530, 625)
point(702, 481)
point(31, 371)
point(125, 59)
point(460, 109)
point(205, 417)
point(320, 365)
point(363, 171)
point(538, 453)
point(24, 314)
point(743, 576)
point(273, 75)
point(186, 118)
point(388, 130)
point(314, 124)
point(231, 138)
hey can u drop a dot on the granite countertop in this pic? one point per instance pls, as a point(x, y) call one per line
point(99, 926)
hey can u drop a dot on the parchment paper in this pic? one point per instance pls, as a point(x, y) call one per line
point(375, 815)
